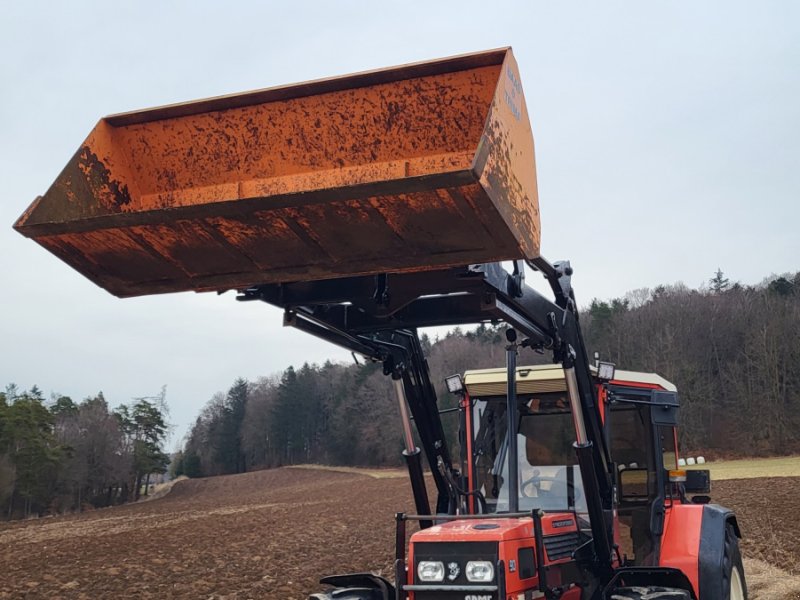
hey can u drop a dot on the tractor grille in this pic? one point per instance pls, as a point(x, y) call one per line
point(562, 545)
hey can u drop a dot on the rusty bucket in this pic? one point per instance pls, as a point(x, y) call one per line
point(416, 167)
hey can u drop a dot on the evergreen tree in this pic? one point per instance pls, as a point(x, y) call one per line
point(425, 342)
point(285, 427)
point(191, 465)
point(33, 451)
point(8, 474)
point(781, 286)
point(146, 427)
point(63, 406)
point(3, 426)
point(228, 447)
point(719, 283)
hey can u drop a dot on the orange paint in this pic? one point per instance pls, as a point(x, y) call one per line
point(680, 544)
point(416, 167)
point(511, 535)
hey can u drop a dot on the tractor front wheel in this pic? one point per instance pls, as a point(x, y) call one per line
point(649, 593)
point(347, 594)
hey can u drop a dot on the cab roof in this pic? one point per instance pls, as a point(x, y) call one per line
point(547, 378)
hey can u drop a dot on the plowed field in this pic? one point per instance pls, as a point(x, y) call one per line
point(272, 534)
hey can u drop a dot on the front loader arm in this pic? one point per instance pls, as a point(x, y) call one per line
point(377, 317)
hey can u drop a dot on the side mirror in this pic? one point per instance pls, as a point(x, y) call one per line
point(666, 408)
point(634, 485)
point(697, 481)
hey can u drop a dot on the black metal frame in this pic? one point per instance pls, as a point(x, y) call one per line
point(650, 398)
point(378, 317)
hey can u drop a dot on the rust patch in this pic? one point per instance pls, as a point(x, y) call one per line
point(506, 161)
point(99, 178)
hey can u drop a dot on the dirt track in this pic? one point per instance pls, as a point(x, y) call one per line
point(272, 534)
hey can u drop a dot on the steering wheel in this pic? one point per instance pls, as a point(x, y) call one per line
point(537, 479)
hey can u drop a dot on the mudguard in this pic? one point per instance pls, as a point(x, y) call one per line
point(711, 561)
point(694, 542)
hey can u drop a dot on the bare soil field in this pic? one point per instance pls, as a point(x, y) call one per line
point(272, 534)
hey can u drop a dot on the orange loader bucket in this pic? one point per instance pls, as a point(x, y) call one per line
point(416, 167)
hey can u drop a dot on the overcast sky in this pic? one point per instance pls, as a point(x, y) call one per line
point(667, 139)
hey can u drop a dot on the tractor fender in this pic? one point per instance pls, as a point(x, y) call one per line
point(694, 542)
point(711, 567)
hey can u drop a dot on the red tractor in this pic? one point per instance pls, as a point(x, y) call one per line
point(568, 484)
point(369, 206)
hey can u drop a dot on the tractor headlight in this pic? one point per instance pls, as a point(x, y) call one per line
point(455, 385)
point(606, 370)
point(479, 571)
point(430, 570)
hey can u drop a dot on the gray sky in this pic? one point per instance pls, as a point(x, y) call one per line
point(667, 138)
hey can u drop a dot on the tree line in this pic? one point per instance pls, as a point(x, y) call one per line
point(331, 413)
point(733, 351)
point(59, 455)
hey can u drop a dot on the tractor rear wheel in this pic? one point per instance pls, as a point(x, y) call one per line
point(649, 593)
point(733, 570)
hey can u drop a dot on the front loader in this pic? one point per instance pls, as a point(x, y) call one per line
point(367, 207)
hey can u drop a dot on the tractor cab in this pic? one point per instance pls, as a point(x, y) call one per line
point(639, 415)
point(525, 514)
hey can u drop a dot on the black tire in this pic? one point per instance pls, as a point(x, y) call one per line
point(347, 594)
point(649, 593)
point(731, 565)
point(355, 586)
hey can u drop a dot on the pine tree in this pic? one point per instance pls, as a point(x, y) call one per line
point(8, 474)
point(33, 450)
point(64, 406)
point(719, 283)
point(191, 465)
point(781, 286)
point(146, 427)
point(285, 425)
point(228, 442)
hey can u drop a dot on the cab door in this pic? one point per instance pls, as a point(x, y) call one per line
point(641, 432)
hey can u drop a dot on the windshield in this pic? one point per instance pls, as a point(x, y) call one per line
point(548, 476)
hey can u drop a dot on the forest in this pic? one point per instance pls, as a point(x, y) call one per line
point(733, 351)
point(58, 456)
